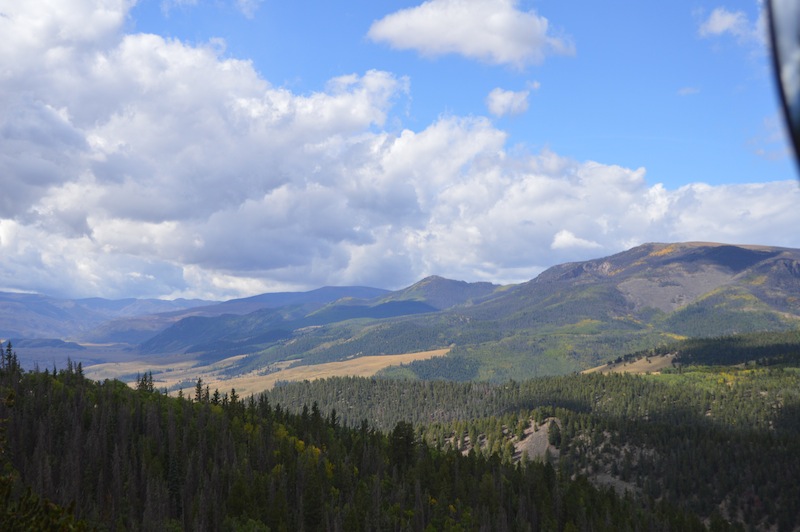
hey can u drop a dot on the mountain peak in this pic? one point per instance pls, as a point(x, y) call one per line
point(443, 293)
point(670, 276)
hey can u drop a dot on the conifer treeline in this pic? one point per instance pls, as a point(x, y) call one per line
point(21, 508)
point(711, 440)
point(138, 460)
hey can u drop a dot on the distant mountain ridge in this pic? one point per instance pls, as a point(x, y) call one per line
point(135, 328)
point(323, 295)
point(430, 295)
point(669, 276)
point(569, 317)
point(39, 316)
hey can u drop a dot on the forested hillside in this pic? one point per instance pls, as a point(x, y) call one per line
point(136, 459)
point(714, 440)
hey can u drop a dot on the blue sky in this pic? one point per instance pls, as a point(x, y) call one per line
point(216, 149)
point(642, 85)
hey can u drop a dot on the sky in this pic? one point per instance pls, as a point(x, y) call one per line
point(224, 148)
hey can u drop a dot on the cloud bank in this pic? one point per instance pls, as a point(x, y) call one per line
point(134, 165)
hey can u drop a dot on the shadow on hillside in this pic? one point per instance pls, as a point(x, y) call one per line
point(788, 419)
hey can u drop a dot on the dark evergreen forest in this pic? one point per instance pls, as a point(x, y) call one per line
point(715, 440)
point(698, 447)
point(125, 459)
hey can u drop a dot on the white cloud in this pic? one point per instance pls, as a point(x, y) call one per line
point(493, 31)
point(722, 21)
point(564, 239)
point(141, 166)
point(688, 91)
point(502, 102)
point(248, 7)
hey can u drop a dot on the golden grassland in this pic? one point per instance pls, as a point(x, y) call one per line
point(356, 367)
point(171, 371)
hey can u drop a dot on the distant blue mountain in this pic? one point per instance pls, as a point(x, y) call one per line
point(40, 316)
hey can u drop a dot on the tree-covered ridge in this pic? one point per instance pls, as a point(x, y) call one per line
point(445, 293)
point(766, 349)
point(714, 440)
point(422, 401)
point(136, 459)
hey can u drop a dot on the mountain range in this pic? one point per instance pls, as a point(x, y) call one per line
point(570, 317)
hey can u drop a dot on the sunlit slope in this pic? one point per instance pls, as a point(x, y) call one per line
point(571, 317)
point(578, 315)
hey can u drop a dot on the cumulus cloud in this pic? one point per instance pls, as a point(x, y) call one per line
point(502, 102)
point(493, 31)
point(135, 165)
point(723, 21)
